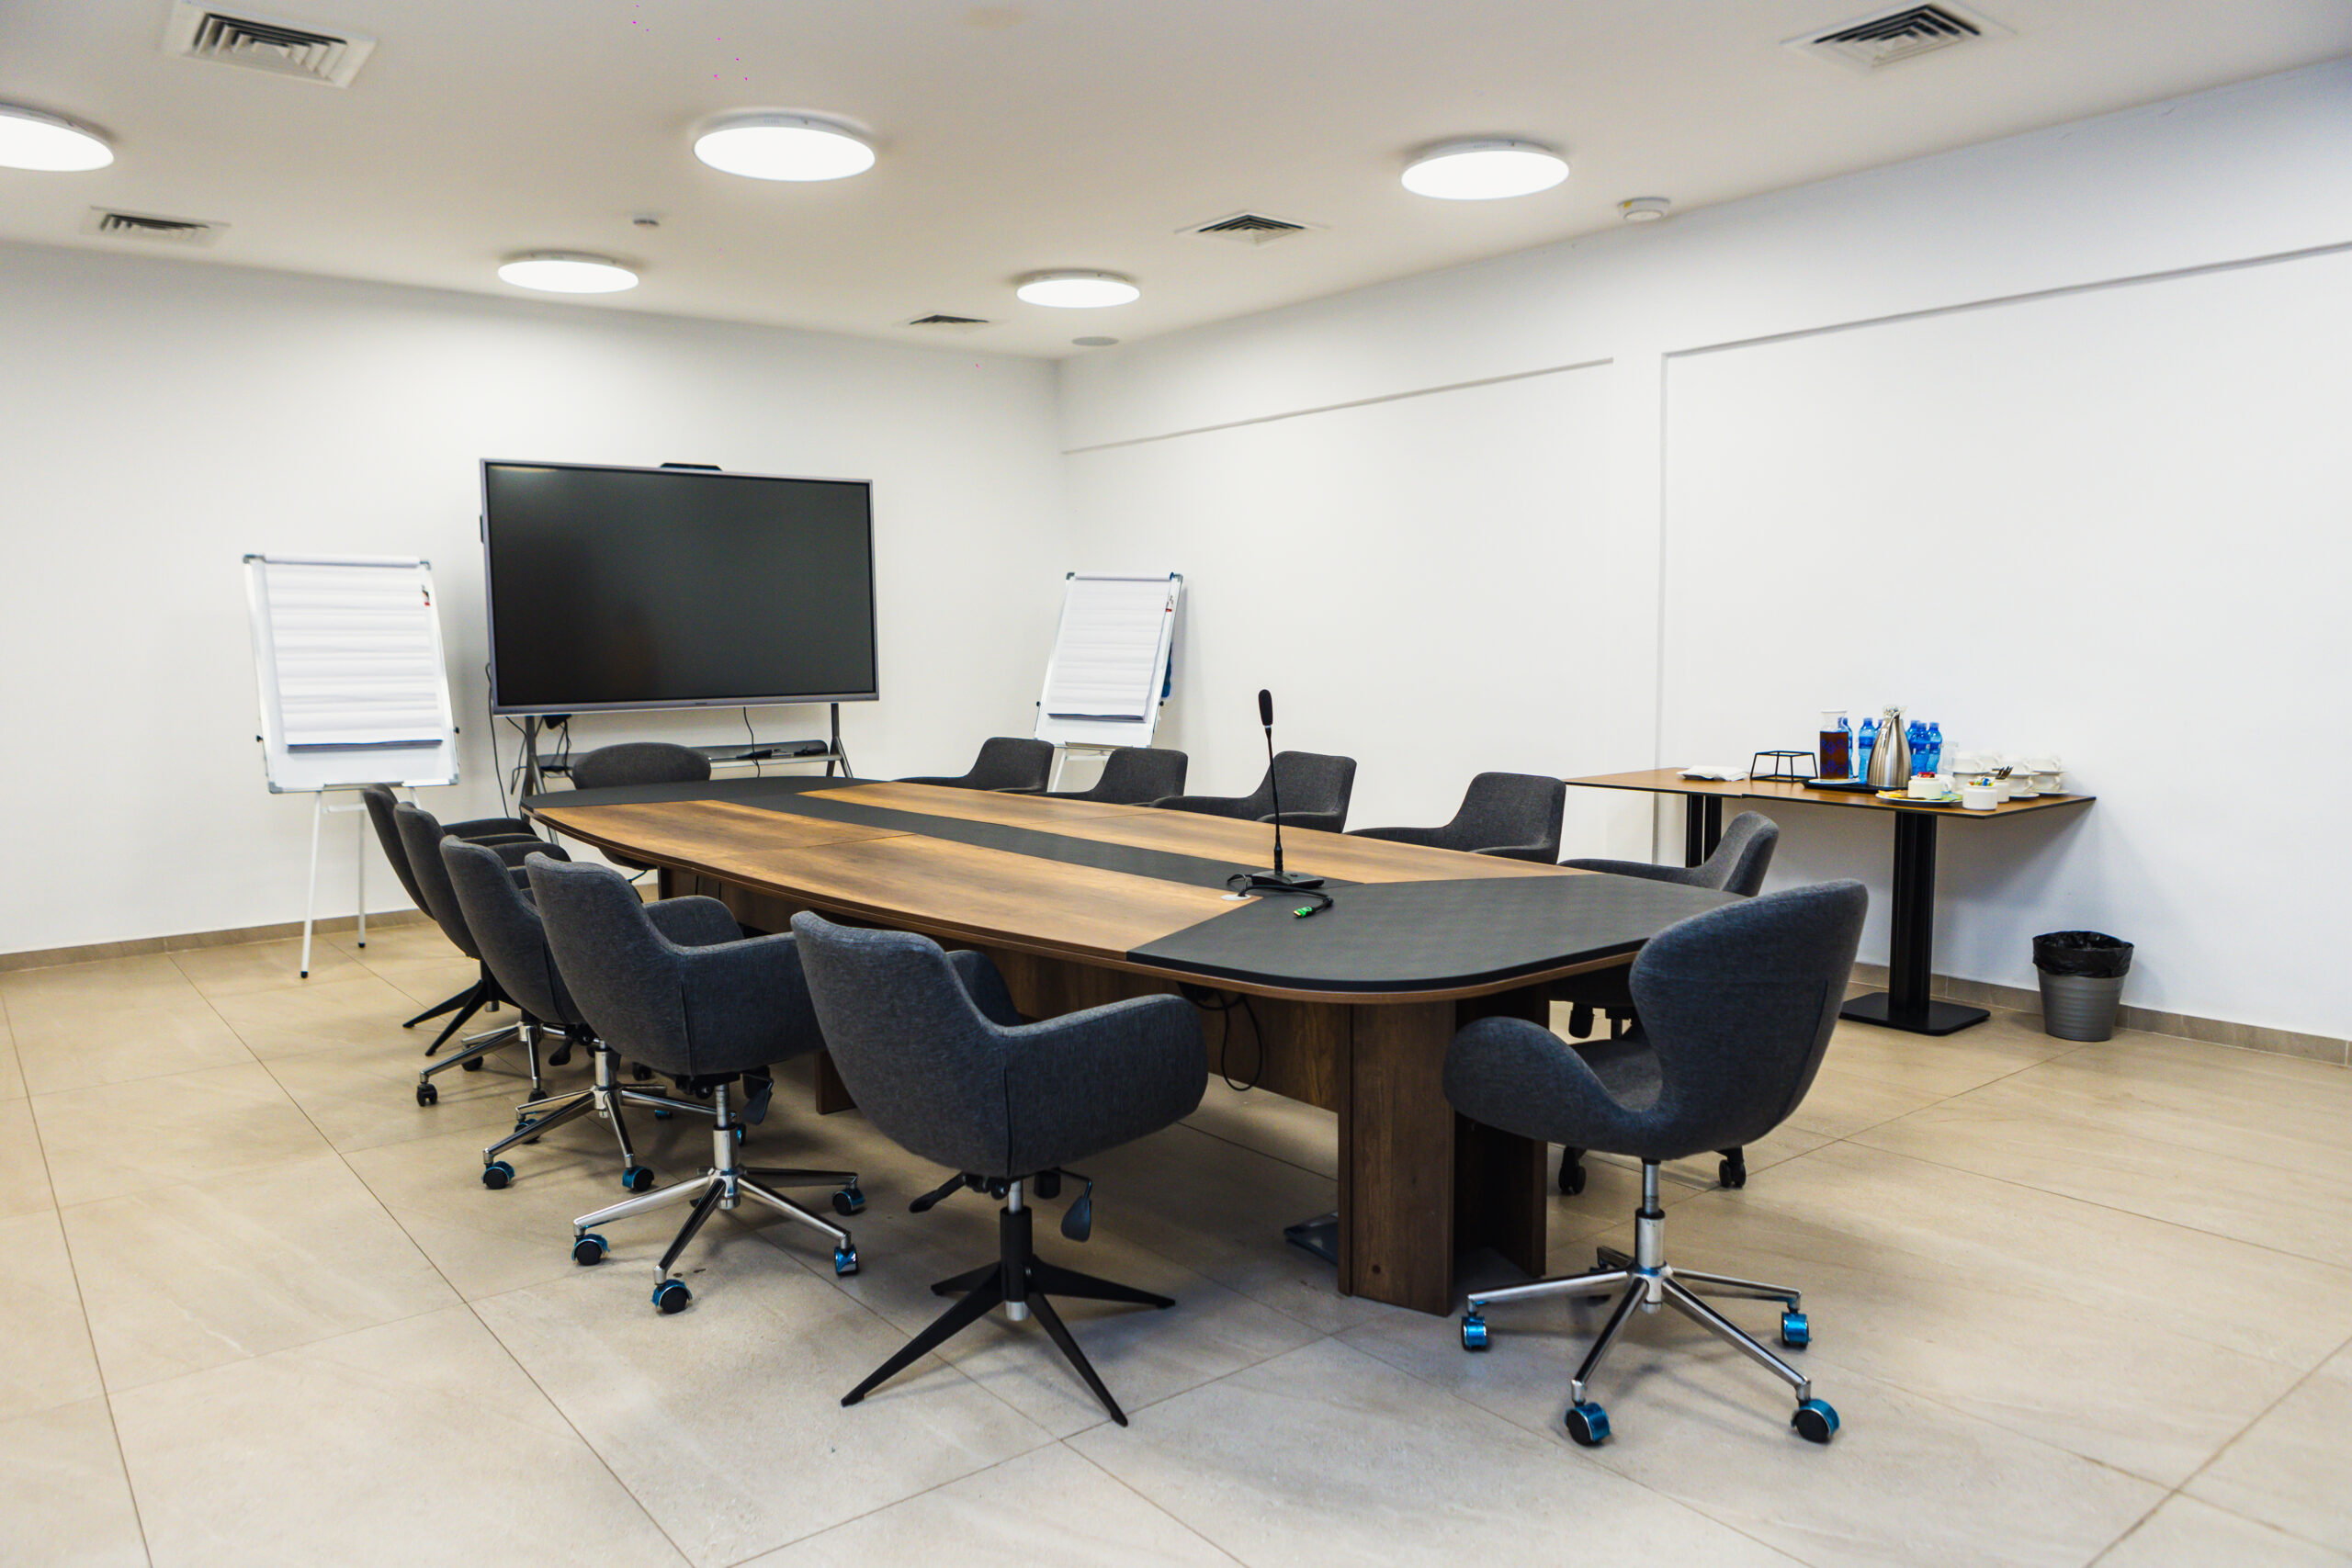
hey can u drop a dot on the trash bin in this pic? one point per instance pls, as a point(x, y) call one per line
point(2082, 981)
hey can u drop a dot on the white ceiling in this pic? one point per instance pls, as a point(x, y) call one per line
point(1081, 133)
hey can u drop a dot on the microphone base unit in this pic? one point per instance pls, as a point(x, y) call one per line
point(1278, 882)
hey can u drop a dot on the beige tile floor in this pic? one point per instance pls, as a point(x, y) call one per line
point(2076, 1304)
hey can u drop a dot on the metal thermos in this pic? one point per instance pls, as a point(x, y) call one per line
point(1890, 758)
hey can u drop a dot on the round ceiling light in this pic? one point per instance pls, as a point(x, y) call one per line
point(51, 143)
point(1077, 290)
point(784, 147)
point(1644, 209)
point(1483, 171)
point(568, 272)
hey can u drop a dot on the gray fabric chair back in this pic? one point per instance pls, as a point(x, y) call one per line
point(638, 762)
point(1737, 1007)
point(508, 930)
point(1315, 790)
point(421, 839)
point(1739, 1004)
point(929, 1044)
point(1006, 763)
point(1742, 855)
point(691, 1002)
point(1512, 815)
point(381, 803)
point(1136, 775)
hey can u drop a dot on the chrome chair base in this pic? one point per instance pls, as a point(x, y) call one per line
point(724, 1185)
point(1645, 1280)
point(523, 1034)
point(544, 1112)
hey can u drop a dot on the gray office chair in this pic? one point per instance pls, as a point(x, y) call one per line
point(1006, 765)
point(1134, 775)
point(1513, 815)
point(1740, 860)
point(1315, 790)
point(380, 802)
point(421, 837)
point(1737, 1008)
point(638, 762)
point(506, 926)
point(929, 1043)
point(707, 1006)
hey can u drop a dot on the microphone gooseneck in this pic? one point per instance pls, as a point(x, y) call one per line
point(1273, 775)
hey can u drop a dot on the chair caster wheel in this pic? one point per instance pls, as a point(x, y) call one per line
point(1571, 1174)
point(662, 1113)
point(588, 1249)
point(497, 1174)
point(1588, 1424)
point(1796, 1333)
point(1816, 1422)
point(470, 1064)
point(848, 1201)
point(427, 1094)
point(738, 1135)
point(637, 1178)
point(845, 1262)
point(671, 1295)
point(1474, 1331)
point(1733, 1171)
point(641, 1073)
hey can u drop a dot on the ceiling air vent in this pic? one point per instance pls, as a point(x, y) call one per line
point(149, 226)
point(951, 323)
point(264, 43)
point(1893, 35)
point(1250, 228)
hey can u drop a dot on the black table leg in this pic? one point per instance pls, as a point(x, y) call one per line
point(1703, 827)
point(1905, 1004)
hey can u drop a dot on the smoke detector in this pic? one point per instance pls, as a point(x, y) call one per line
point(331, 58)
point(1888, 37)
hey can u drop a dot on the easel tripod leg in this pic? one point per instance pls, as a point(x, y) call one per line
point(311, 901)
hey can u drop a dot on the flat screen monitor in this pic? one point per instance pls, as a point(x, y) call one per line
point(666, 588)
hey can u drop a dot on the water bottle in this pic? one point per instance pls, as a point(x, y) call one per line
point(1862, 744)
point(1935, 749)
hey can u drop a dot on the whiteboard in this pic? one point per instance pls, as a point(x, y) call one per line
point(348, 665)
point(1108, 672)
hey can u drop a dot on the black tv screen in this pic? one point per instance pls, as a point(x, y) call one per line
point(651, 588)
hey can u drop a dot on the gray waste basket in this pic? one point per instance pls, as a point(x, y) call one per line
point(2082, 982)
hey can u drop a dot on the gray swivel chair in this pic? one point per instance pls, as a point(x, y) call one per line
point(380, 802)
point(929, 1043)
point(1741, 858)
point(506, 926)
point(1737, 1008)
point(691, 996)
point(1315, 790)
point(1134, 775)
point(638, 762)
point(1011, 766)
point(422, 836)
point(1513, 815)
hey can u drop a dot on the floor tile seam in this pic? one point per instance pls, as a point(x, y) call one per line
point(686, 1558)
point(313, 1343)
point(251, 1061)
point(1149, 1503)
point(1252, 1148)
point(82, 1301)
point(2104, 1553)
point(2235, 1438)
point(242, 1173)
point(2094, 1203)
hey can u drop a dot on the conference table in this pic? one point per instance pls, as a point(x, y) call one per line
point(1082, 903)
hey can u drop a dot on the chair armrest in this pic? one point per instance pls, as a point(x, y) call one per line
point(941, 779)
point(984, 986)
point(1424, 836)
point(1540, 854)
point(1685, 875)
point(515, 851)
point(693, 921)
point(749, 989)
point(490, 828)
point(1321, 821)
point(1089, 1081)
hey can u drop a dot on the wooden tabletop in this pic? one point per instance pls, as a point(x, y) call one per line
point(1092, 881)
point(1669, 781)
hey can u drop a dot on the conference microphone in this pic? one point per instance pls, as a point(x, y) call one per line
point(1277, 880)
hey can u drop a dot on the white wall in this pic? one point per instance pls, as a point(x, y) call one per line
point(1624, 565)
point(158, 420)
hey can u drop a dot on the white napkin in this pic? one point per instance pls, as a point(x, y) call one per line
point(1714, 773)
